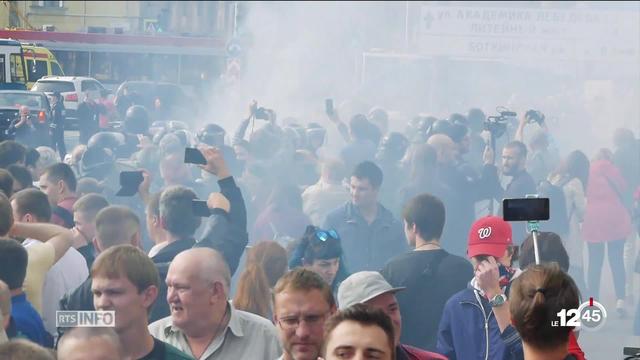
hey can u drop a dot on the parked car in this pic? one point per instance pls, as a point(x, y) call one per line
point(39, 109)
point(172, 97)
point(73, 90)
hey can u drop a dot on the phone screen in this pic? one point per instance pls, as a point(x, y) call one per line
point(529, 209)
point(194, 156)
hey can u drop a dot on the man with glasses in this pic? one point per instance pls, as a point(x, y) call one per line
point(302, 301)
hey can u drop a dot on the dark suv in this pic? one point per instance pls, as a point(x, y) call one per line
point(39, 108)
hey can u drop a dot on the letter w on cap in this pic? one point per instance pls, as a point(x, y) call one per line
point(484, 233)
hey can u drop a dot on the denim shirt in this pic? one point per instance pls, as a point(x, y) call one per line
point(367, 246)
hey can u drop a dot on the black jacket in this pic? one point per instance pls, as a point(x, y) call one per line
point(459, 192)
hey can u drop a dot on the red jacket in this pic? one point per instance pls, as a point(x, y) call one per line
point(419, 354)
point(606, 218)
point(574, 347)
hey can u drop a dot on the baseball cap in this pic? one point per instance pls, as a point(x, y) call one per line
point(362, 287)
point(490, 235)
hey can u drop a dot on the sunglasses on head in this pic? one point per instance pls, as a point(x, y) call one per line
point(324, 235)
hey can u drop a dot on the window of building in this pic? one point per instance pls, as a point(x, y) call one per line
point(49, 4)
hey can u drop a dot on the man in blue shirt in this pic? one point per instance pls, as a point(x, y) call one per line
point(25, 320)
point(370, 234)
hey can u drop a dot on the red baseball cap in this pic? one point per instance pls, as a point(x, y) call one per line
point(490, 235)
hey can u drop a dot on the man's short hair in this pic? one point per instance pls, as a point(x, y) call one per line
point(176, 211)
point(90, 205)
point(88, 185)
point(31, 158)
point(550, 249)
point(334, 170)
point(116, 225)
point(11, 152)
point(364, 315)
point(84, 334)
point(34, 202)
point(301, 279)
point(21, 174)
point(370, 171)
point(13, 263)
point(61, 171)
point(6, 182)
point(6, 215)
point(22, 349)
point(427, 212)
point(126, 261)
point(520, 146)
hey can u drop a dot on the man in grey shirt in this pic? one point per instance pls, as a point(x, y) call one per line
point(203, 323)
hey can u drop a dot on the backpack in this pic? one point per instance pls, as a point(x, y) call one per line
point(558, 217)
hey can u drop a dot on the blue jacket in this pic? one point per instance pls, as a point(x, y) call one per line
point(364, 246)
point(467, 327)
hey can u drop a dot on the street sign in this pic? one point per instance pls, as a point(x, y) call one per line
point(529, 33)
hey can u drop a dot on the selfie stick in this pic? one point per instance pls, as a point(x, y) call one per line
point(533, 227)
point(492, 143)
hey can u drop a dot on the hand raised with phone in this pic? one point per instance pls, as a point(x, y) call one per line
point(216, 164)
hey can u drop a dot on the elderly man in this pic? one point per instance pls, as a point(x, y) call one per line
point(370, 288)
point(203, 324)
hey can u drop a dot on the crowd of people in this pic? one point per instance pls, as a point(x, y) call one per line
point(394, 248)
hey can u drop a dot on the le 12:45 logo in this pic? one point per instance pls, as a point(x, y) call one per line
point(591, 315)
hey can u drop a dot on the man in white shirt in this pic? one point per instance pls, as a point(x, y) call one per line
point(327, 194)
point(203, 324)
point(32, 206)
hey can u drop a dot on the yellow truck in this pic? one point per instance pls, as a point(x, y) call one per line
point(39, 62)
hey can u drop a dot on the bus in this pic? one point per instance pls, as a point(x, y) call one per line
point(11, 65)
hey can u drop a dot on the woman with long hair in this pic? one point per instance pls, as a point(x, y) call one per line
point(320, 250)
point(266, 263)
point(572, 177)
point(607, 221)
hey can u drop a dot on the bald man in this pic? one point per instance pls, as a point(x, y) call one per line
point(90, 343)
point(445, 148)
point(198, 282)
point(461, 190)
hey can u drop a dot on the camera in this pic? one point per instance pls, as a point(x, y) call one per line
point(262, 113)
point(534, 116)
point(497, 125)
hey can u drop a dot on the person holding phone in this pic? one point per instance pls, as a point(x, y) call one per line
point(485, 300)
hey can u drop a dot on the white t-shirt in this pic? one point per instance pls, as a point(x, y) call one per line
point(64, 276)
